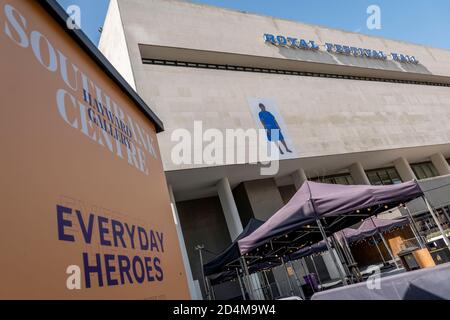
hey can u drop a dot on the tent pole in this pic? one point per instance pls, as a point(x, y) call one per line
point(247, 275)
point(350, 251)
point(211, 289)
point(315, 269)
point(291, 288)
point(414, 228)
point(304, 266)
point(436, 221)
point(355, 269)
point(341, 257)
point(333, 257)
point(199, 248)
point(268, 283)
point(299, 284)
point(444, 210)
point(378, 249)
point(240, 284)
point(389, 250)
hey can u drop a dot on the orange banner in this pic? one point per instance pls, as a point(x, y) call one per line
point(85, 211)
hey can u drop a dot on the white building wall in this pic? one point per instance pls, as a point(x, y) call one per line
point(187, 25)
point(113, 44)
point(323, 116)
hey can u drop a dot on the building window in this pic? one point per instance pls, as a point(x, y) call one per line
point(424, 170)
point(345, 178)
point(383, 176)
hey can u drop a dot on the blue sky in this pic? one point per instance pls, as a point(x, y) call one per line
point(416, 21)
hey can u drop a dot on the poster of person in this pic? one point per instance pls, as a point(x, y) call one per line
point(267, 117)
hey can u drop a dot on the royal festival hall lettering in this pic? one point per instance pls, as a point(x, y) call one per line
point(298, 43)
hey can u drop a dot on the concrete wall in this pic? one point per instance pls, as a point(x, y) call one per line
point(203, 223)
point(323, 116)
point(264, 198)
point(437, 191)
point(243, 204)
point(258, 199)
point(287, 192)
point(186, 25)
point(113, 44)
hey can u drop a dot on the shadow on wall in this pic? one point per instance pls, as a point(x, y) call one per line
point(362, 62)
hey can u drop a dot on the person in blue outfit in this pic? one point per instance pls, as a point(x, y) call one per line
point(270, 123)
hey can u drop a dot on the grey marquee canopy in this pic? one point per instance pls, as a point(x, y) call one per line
point(336, 207)
point(369, 227)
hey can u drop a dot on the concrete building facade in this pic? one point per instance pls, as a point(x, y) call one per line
point(349, 116)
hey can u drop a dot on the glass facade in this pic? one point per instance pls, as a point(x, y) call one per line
point(345, 178)
point(424, 170)
point(383, 176)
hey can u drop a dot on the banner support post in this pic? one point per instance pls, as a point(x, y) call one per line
point(333, 257)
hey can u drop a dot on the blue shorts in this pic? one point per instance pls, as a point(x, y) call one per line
point(276, 137)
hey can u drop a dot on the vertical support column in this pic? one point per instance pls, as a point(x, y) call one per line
point(199, 248)
point(358, 174)
point(440, 163)
point(315, 269)
point(341, 257)
point(299, 178)
point(288, 278)
point(235, 228)
point(330, 250)
point(229, 208)
point(378, 249)
point(184, 255)
point(211, 289)
point(436, 221)
point(241, 286)
point(268, 284)
point(304, 266)
point(297, 279)
point(388, 249)
point(332, 268)
point(250, 280)
point(414, 227)
point(404, 169)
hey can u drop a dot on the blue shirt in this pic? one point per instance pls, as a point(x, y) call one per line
point(268, 120)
